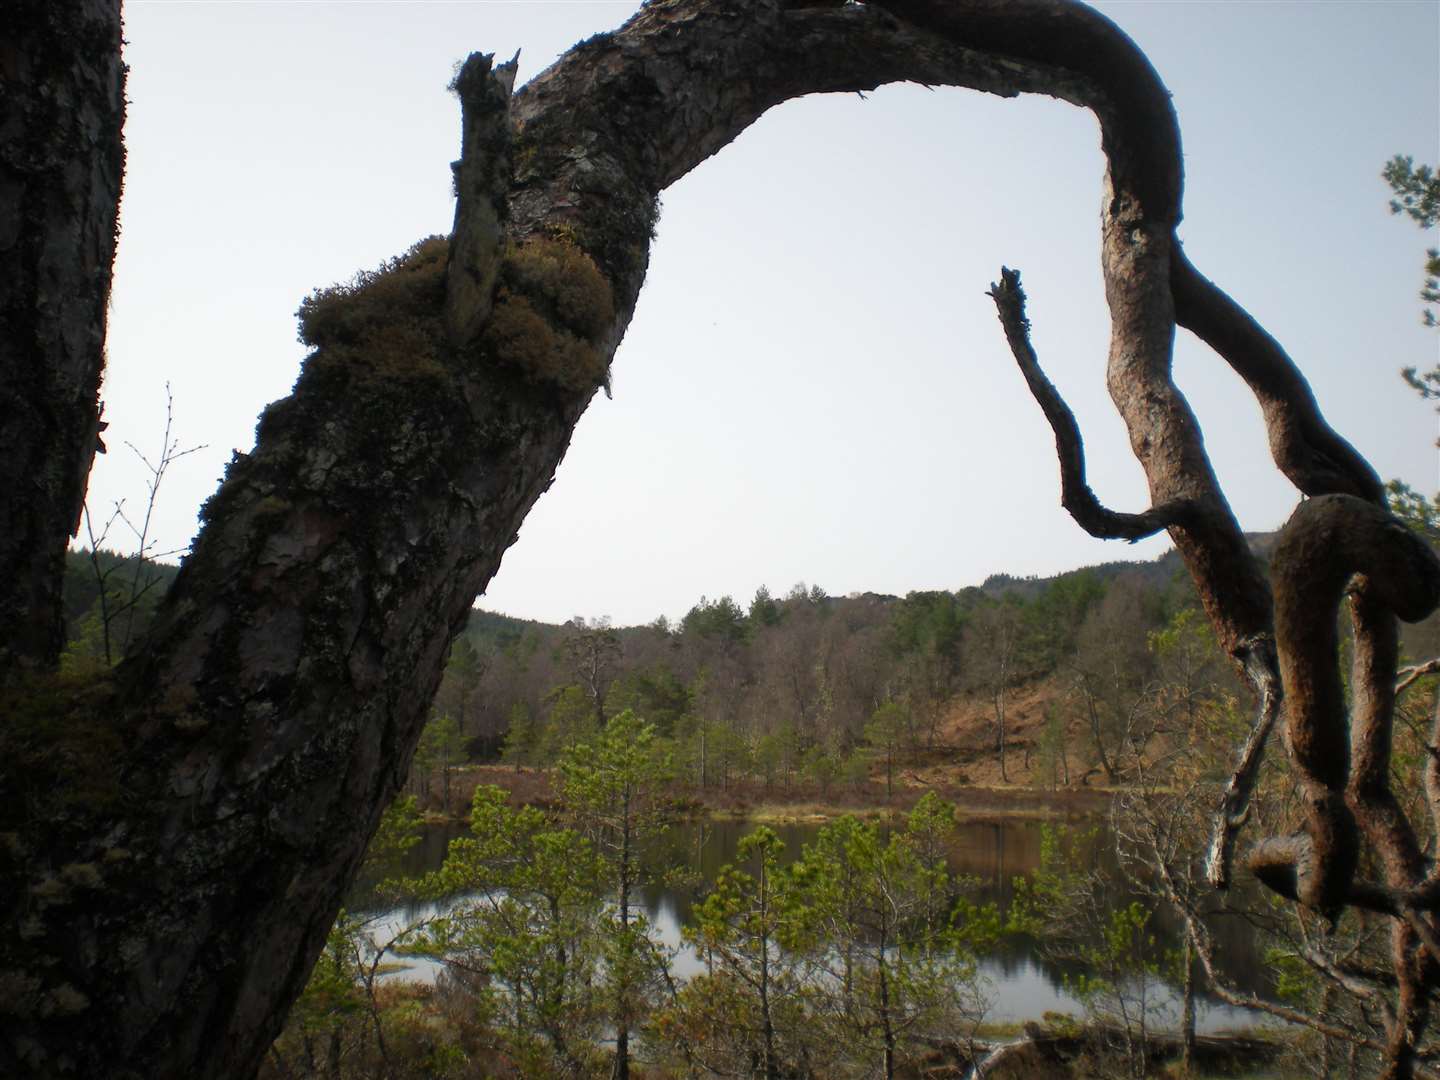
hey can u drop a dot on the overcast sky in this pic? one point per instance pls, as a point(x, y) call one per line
point(815, 386)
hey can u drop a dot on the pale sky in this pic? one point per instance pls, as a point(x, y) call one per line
point(815, 386)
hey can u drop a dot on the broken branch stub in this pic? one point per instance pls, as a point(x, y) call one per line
point(482, 185)
point(1076, 495)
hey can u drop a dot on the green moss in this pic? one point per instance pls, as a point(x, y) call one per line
point(563, 232)
point(82, 875)
point(272, 506)
point(50, 891)
point(387, 321)
point(524, 157)
point(518, 335)
point(552, 311)
point(65, 1000)
point(561, 281)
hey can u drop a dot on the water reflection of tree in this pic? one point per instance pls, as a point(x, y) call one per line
point(990, 855)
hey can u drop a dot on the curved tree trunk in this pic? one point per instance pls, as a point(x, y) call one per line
point(62, 101)
point(181, 833)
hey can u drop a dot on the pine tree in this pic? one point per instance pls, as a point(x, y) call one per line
point(612, 790)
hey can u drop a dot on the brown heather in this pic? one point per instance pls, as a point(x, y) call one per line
point(552, 311)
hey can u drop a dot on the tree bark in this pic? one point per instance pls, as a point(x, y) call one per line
point(182, 831)
point(62, 102)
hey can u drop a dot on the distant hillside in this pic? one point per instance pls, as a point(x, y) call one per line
point(132, 589)
point(84, 572)
point(813, 685)
point(1163, 572)
point(1158, 573)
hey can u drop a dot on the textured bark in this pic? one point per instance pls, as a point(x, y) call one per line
point(482, 178)
point(1310, 454)
point(1076, 495)
point(1341, 538)
point(1343, 759)
point(61, 104)
point(183, 831)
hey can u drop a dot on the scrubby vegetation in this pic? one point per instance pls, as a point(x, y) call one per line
point(856, 955)
point(386, 321)
point(552, 311)
point(849, 961)
point(1071, 682)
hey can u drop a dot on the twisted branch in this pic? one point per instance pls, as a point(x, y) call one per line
point(1408, 677)
point(1314, 458)
point(1075, 494)
point(1262, 669)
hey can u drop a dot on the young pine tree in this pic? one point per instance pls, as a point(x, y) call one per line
point(898, 964)
point(746, 1015)
point(612, 790)
point(530, 925)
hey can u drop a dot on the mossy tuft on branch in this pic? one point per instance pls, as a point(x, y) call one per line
point(551, 314)
point(388, 319)
point(553, 308)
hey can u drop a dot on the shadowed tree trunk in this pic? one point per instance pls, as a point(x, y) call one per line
point(62, 102)
point(177, 835)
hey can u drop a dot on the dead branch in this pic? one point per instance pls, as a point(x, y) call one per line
point(1263, 670)
point(1408, 677)
point(1205, 950)
point(1075, 494)
point(1305, 448)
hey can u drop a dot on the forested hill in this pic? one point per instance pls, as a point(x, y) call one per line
point(1071, 673)
point(109, 599)
point(1070, 676)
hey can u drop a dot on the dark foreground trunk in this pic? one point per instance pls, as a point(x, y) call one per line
point(62, 101)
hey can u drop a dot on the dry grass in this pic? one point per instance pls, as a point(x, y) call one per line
point(752, 800)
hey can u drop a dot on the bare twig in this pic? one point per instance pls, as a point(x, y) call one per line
point(170, 452)
point(102, 576)
point(1205, 951)
point(1262, 666)
point(1407, 677)
point(143, 579)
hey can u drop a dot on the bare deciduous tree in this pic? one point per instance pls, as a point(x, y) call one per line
point(1113, 668)
point(991, 645)
point(593, 649)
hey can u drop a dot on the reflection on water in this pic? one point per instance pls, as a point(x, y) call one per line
point(1024, 982)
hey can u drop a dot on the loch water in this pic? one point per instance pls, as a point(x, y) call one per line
point(1023, 982)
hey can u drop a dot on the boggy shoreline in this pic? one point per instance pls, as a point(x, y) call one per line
point(796, 803)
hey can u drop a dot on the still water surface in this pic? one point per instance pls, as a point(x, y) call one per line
point(1023, 982)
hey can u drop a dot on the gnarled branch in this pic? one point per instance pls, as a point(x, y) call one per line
point(1262, 668)
point(1408, 677)
point(1075, 494)
point(1304, 446)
